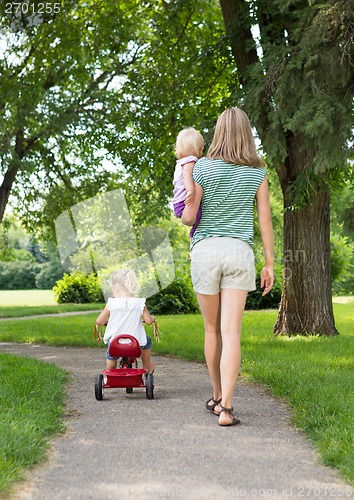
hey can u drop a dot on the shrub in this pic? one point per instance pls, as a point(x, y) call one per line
point(78, 288)
point(49, 274)
point(176, 298)
point(18, 275)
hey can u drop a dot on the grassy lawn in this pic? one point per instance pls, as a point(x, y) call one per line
point(27, 298)
point(344, 300)
point(314, 375)
point(17, 311)
point(31, 412)
point(15, 303)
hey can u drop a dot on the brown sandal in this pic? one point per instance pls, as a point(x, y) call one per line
point(211, 407)
point(234, 420)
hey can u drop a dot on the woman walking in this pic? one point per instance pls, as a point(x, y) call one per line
point(227, 181)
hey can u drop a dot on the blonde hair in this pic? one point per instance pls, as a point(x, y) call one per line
point(189, 142)
point(233, 140)
point(124, 278)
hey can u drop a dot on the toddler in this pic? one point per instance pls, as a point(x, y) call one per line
point(189, 147)
point(124, 314)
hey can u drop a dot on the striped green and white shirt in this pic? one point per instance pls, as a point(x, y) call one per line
point(228, 197)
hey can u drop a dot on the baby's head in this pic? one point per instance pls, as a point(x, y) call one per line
point(189, 142)
point(123, 281)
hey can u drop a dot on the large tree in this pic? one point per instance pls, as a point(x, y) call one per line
point(295, 64)
point(97, 81)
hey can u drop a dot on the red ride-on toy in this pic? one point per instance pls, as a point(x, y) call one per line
point(128, 349)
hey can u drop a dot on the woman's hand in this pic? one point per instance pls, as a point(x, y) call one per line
point(267, 279)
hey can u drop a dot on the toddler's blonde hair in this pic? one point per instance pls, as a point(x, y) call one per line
point(189, 142)
point(124, 278)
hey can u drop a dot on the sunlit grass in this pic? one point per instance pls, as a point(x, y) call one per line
point(17, 311)
point(31, 412)
point(27, 298)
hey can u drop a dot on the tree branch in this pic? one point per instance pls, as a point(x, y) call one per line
point(184, 28)
point(238, 28)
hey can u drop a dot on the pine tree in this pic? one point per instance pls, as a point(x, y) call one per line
point(297, 80)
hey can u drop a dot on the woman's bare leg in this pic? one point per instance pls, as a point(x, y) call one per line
point(232, 308)
point(210, 308)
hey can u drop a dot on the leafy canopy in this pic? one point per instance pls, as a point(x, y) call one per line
point(93, 97)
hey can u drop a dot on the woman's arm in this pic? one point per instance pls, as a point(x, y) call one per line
point(266, 229)
point(190, 212)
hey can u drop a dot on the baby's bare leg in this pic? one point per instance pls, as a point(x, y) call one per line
point(111, 364)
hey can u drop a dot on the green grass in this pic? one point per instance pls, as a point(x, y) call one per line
point(27, 298)
point(16, 303)
point(17, 311)
point(314, 375)
point(31, 412)
point(59, 331)
point(349, 299)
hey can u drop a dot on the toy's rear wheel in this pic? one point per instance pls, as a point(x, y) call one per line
point(129, 390)
point(149, 384)
point(99, 387)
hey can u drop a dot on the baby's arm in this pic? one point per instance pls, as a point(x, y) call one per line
point(103, 317)
point(188, 181)
point(147, 318)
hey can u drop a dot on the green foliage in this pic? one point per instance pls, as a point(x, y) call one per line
point(18, 275)
point(26, 263)
point(177, 298)
point(49, 273)
point(341, 254)
point(6, 250)
point(26, 274)
point(305, 72)
point(78, 288)
point(22, 254)
point(107, 84)
point(342, 229)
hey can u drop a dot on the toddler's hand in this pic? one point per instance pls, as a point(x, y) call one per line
point(189, 198)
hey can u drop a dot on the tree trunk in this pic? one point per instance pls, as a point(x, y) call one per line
point(306, 302)
point(5, 189)
point(13, 168)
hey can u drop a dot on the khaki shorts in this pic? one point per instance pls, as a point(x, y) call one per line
point(222, 263)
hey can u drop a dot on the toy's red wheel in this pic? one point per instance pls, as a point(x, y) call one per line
point(99, 387)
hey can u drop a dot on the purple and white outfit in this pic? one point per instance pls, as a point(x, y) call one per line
point(180, 192)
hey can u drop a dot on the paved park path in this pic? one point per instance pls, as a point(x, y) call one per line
point(127, 446)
